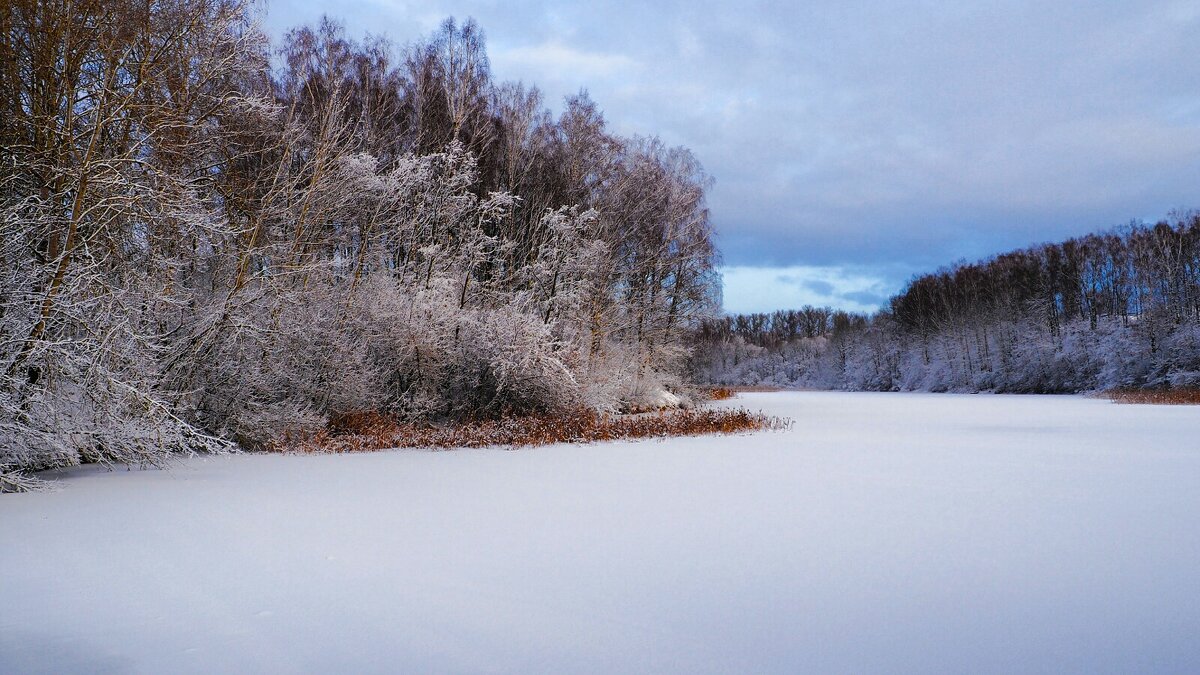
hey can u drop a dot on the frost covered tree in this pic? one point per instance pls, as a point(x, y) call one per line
point(111, 115)
point(201, 249)
point(1107, 311)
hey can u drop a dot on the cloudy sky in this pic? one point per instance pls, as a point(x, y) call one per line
point(855, 143)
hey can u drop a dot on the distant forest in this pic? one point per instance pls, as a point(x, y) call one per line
point(1106, 311)
point(208, 238)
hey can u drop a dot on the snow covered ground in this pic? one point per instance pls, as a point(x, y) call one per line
point(884, 533)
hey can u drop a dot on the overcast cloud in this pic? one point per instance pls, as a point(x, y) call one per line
point(856, 143)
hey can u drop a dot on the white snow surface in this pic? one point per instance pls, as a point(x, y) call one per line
point(883, 533)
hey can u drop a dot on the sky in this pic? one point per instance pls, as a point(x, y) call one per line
point(855, 143)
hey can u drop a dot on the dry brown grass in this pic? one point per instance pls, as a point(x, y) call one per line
point(372, 431)
point(720, 394)
point(1154, 396)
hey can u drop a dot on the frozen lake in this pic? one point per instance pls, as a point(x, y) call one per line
point(885, 532)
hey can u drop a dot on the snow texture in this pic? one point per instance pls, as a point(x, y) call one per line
point(883, 533)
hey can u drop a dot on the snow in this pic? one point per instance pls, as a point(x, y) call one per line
point(884, 532)
point(661, 399)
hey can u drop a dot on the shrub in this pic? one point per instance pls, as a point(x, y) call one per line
point(366, 431)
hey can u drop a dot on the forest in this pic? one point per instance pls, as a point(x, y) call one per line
point(211, 240)
point(1112, 311)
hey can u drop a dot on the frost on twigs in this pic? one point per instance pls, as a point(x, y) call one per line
point(19, 481)
point(92, 415)
point(373, 431)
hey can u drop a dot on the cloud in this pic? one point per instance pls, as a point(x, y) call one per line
point(815, 285)
point(555, 60)
point(765, 289)
point(865, 298)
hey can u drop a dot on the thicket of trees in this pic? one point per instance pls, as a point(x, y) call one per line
point(199, 247)
point(1115, 310)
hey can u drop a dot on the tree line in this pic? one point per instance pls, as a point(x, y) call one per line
point(1119, 310)
point(208, 238)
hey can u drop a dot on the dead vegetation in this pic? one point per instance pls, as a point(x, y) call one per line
point(721, 394)
point(373, 431)
point(1182, 396)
